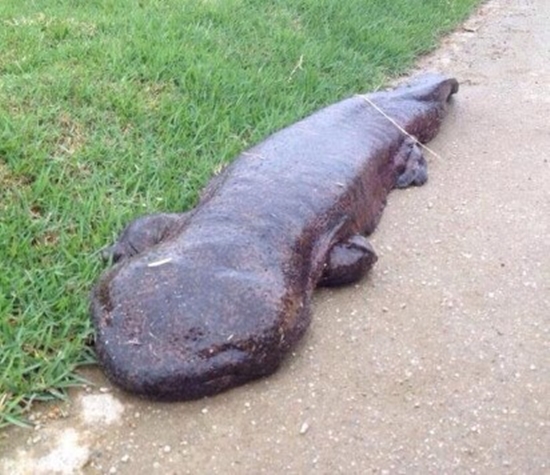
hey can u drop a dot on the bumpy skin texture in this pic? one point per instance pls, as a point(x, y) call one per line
point(206, 300)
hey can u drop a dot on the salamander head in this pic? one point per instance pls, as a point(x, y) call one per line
point(169, 330)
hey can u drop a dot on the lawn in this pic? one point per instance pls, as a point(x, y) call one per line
point(113, 108)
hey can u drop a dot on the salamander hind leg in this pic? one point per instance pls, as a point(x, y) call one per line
point(144, 233)
point(348, 261)
point(412, 168)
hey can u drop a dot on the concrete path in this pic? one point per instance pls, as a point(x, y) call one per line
point(439, 362)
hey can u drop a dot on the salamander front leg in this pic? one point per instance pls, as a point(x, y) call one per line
point(348, 261)
point(144, 233)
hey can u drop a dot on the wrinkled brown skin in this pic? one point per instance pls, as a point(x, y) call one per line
point(203, 301)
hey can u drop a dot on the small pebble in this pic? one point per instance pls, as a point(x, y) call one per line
point(304, 428)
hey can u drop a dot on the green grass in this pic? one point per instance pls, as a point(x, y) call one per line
point(113, 108)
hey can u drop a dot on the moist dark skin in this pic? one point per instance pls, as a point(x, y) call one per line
point(203, 301)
